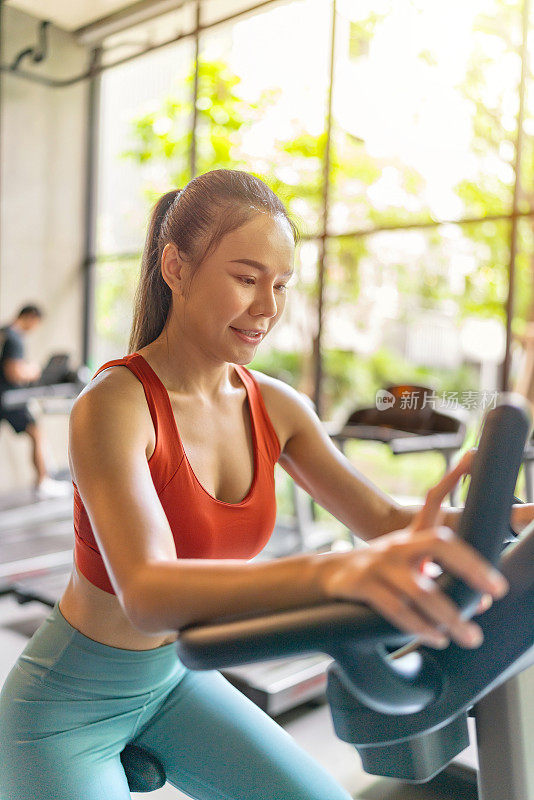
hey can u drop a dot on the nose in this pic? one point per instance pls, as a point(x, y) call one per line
point(264, 304)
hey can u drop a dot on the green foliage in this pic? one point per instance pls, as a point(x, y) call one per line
point(222, 116)
point(115, 287)
point(490, 191)
point(361, 33)
point(286, 366)
point(351, 381)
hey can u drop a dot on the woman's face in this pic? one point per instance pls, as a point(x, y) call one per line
point(239, 291)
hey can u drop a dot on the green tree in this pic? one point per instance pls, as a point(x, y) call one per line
point(489, 188)
point(165, 136)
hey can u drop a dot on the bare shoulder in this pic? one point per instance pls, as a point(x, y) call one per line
point(288, 409)
point(111, 411)
point(113, 382)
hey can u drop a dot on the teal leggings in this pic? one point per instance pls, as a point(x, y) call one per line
point(70, 705)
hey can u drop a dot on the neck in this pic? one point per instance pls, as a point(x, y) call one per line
point(186, 368)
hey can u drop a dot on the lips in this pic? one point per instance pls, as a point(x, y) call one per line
point(250, 335)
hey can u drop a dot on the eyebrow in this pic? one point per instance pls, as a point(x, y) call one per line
point(257, 265)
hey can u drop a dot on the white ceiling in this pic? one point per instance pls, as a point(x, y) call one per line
point(68, 14)
point(95, 19)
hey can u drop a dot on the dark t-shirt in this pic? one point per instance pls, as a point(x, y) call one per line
point(11, 346)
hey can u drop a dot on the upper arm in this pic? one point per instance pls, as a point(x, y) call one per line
point(12, 371)
point(307, 450)
point(316, 464)
point(108, 435)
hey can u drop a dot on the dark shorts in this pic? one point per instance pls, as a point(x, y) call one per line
point(18, 418)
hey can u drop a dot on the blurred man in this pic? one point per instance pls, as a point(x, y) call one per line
point(15, 372)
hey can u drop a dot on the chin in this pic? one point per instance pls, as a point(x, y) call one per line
point(242, 360)
point(232, 356)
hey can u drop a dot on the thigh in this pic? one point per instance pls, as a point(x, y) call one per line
point(215, 744)
point(47, 751)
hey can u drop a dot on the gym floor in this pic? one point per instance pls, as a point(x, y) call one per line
point(310, 725)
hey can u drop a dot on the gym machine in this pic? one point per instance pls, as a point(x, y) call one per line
point(406, 714)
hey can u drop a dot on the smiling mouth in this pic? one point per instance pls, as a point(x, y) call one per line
point(249, 335)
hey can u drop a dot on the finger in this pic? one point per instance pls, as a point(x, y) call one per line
point(470, 455)
point(393, 607)
point(435, 496)
point(460, 559)
point(426, 598)
point(486, 602)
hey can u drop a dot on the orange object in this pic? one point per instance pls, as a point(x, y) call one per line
point(202, 526)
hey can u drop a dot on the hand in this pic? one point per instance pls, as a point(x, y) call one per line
point(522, 517)
point(388, 575)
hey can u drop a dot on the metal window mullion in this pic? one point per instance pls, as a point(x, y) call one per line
point(194, 118)
point(318, 355)
point(517, 189)
point(89, 259)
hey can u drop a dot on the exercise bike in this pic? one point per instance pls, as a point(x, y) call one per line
point(407, 715)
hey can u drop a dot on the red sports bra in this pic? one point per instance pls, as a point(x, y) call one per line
point(201, 525)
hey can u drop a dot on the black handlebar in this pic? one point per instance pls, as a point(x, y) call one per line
point(486, 517)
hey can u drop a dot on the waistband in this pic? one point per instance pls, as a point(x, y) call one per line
point(62, 660)
point(58, 649)
point(116, 653)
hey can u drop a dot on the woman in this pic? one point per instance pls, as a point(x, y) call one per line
point(172, 451)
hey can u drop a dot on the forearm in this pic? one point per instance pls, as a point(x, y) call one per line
point(522, 515)
point(402, 516)
point(383, 515)
point(173, 594)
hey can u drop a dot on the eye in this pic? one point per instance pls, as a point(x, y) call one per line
point(282, 287)
point(246, 279)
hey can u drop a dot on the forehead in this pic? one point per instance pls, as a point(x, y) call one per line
point(263, 238)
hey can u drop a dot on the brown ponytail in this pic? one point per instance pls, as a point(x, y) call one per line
point(152, 296)
point(195, 220)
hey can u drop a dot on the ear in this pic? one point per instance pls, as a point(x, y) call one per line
point(173, 268)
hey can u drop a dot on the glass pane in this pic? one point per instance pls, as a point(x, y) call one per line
point(144, 142)
point(523, 319)
point(402, 307)
point(424, 108)
point(150, 33)
point(222, 9)
point(116, 281)
point(264, 111)
point(423, 307)
point(527, 155)
point(524, 275)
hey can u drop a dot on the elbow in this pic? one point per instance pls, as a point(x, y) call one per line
point(147, 606)
point(140, 606)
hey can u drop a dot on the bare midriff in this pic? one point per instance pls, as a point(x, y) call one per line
point(99, 616)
